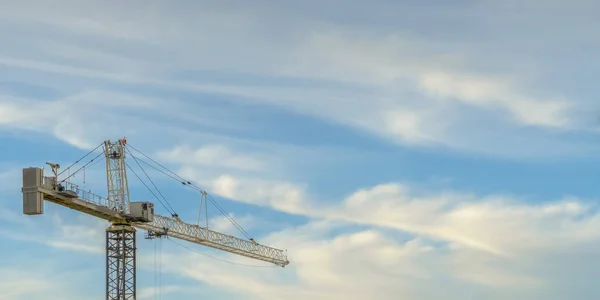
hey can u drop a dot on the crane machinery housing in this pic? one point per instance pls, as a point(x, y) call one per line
point(126, 216)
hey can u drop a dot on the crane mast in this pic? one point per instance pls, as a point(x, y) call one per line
point(125, 216)
point(120, 236)
point(120, 262)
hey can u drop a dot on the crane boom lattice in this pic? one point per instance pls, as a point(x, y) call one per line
point(203, 236)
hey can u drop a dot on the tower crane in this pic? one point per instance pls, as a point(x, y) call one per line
point(126, 216)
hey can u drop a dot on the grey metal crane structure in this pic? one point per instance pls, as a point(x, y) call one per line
point(125, 216)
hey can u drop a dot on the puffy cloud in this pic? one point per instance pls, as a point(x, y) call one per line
point(370, 264)
point(498, 225)
point(394, 239)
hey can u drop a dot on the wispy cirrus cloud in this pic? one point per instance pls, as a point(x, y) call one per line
point(454, 217)
point(36, 279)
point(371, 263)
point(493, 246)
point(214, 155)
point(403, 87)
point(467, 219)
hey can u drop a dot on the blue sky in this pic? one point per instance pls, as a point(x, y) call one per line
point(389, 146)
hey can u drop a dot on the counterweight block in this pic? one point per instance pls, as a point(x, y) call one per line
point(33, 200)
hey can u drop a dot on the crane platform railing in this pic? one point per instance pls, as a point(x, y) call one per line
point(68, 188)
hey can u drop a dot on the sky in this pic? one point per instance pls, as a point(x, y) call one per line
point(396, 149)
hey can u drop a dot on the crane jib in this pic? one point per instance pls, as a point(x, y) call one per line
point(214, 239)
point(71, 196)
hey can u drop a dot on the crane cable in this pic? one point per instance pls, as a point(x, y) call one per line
point(93, 160)
point(208, 196)
point(172, 175)
point(93, 164)
point(152, 182)
point(155, 288)
point(149, 189)
point(205, 203)
point(73, 174)
point(185, 182)
point(158, 271)
point(77, 161)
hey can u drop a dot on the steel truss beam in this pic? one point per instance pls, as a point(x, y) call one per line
point(120, 263)
point(203, 236)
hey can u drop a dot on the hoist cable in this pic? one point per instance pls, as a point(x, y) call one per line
point(155, 287)
point(160, 268)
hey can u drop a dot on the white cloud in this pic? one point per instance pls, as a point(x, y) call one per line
point(493, 247)
point(21, 288)
point(10, 216)
point(494, 224)
point(10, 179)
point(152, 293)
point(395, 63)
point(85, 119)
point(74, 119)
point(479, 91)
point(280, 195)
point(85, 236)
point(214, 155)
point(223, 224)
point(386, 83)
point(369, 264)
point(34, 279)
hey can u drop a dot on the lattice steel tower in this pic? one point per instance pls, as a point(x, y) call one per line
point(120, 236)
